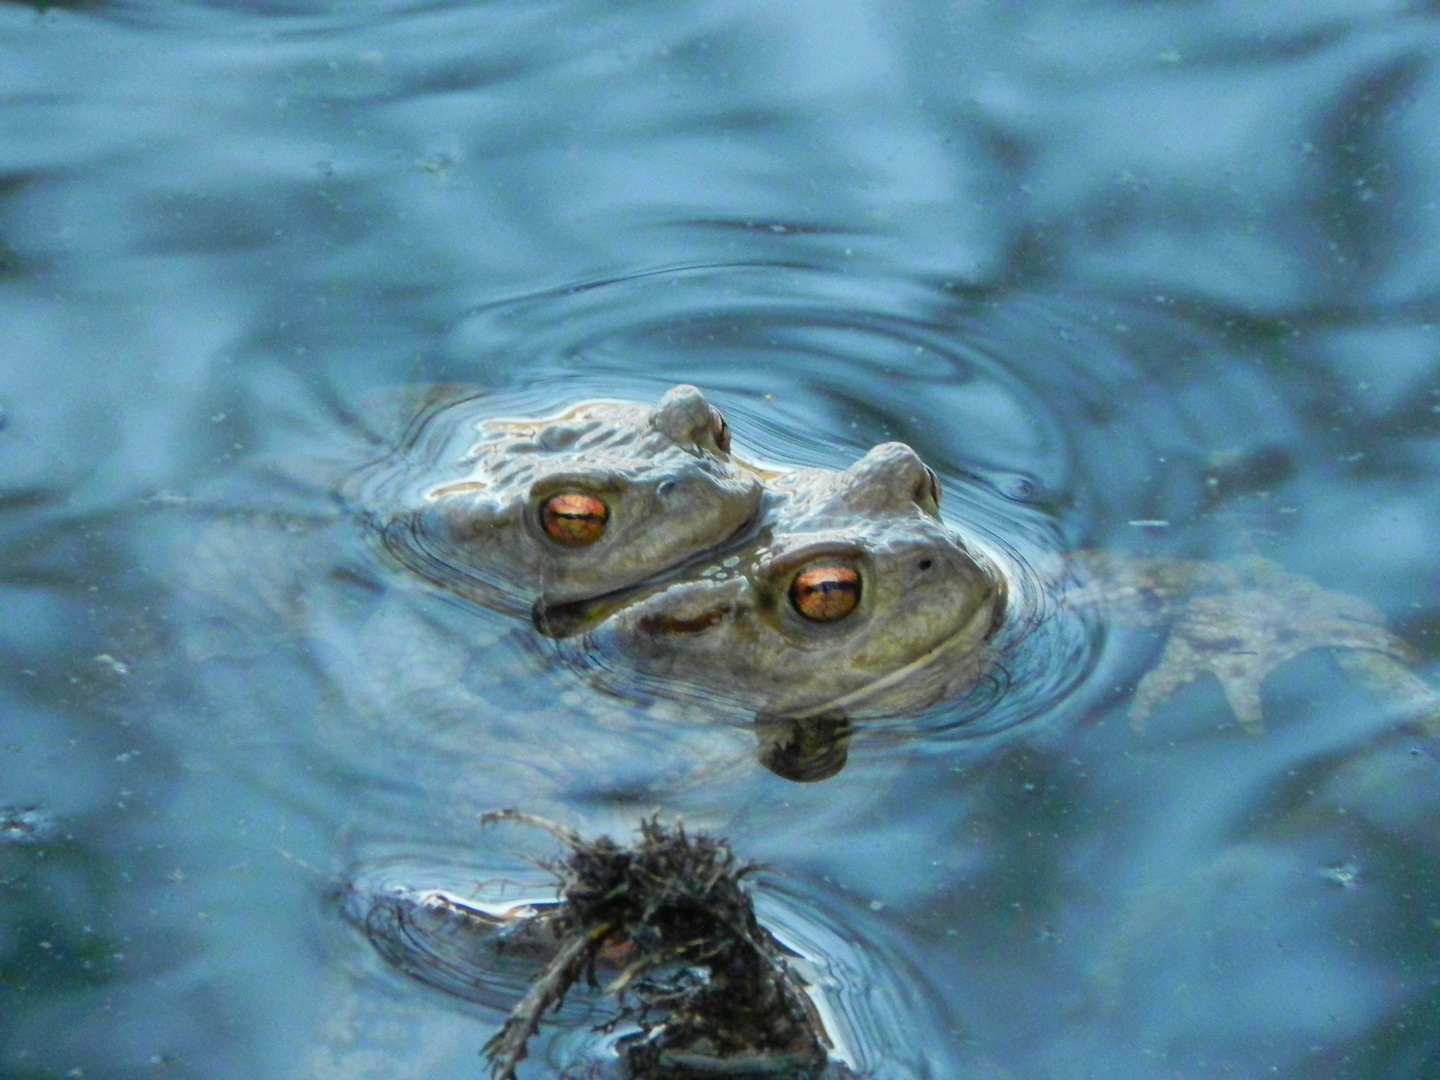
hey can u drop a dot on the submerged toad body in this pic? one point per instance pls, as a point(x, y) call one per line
point(565, 507)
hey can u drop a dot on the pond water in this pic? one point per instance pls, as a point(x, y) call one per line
point(1156, 277)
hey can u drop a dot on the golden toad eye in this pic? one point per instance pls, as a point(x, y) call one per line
point(826, 592)
point(572, 519)
point(719, 431)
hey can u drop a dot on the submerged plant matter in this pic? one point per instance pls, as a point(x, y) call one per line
point(707, 986)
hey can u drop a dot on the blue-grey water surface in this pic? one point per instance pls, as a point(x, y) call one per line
point(1145, 276)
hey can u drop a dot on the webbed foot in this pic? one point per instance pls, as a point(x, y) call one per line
point(1240, 637)
point(1241, 620)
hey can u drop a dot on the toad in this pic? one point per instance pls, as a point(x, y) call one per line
point(854, 598)
point(565, 507)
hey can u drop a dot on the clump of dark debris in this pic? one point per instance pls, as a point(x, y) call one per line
point(707, 986)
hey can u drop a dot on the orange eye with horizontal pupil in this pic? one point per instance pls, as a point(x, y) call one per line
point(720, 431)
point(826, 592)
point(574, 520)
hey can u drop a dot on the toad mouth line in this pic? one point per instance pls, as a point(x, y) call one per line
point(661, 625)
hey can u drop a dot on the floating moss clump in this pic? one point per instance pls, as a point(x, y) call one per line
point(707, 986)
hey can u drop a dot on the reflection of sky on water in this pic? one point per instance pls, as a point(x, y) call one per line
point(1111, 262)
